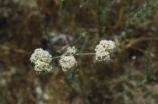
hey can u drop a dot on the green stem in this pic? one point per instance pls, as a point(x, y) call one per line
point(60, 14)
point(84, 54)
point(78, 54)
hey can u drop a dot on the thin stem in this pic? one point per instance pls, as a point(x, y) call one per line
point(60, 13)
point(78, 54)
point(84, 54)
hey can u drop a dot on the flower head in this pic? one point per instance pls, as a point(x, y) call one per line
point(104, 49)
point(41, 55)
point(42, 66)
point(67, 62)
point(41, 59)
point(102, 55)
point(71, 50)
point(108, 45)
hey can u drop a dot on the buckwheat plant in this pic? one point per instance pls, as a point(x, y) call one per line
point(71, 50)
point(67, 62)
point(42, 58)
point(104, 49)
point(42, 66)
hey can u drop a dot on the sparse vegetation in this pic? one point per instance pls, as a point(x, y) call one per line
point(131, 77)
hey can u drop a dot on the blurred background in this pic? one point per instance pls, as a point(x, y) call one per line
point(130, 78)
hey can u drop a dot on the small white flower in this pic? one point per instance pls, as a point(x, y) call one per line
point(104, 49)
point(42, 60)
point(71, 50)
point(42, 66)
point(41, 55)
point(67, 62)
point(109, 45)
point(102, 56)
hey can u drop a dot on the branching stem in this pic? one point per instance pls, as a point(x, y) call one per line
point(77, 54)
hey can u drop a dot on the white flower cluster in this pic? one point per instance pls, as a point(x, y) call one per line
point(41, 59)
point(71, 50)
point(68, 61)
point(104, 49)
